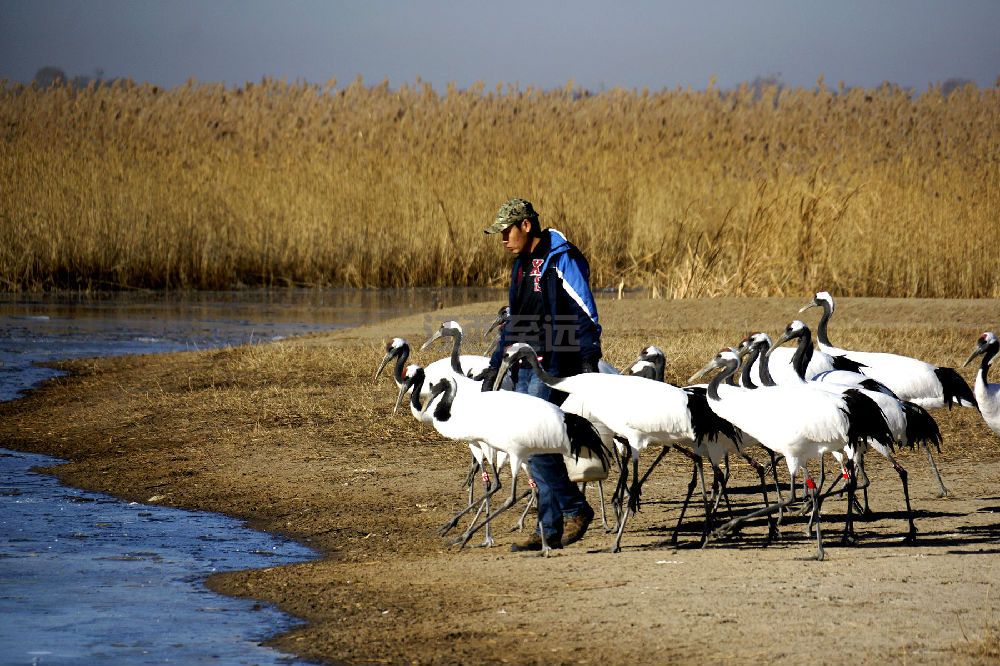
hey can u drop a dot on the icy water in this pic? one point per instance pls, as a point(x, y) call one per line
point(88, 579)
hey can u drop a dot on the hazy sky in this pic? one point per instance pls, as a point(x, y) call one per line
point(598, 44)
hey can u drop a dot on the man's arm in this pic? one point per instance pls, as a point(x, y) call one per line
point(574, 278)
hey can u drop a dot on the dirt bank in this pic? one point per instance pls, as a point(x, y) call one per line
point(295, 438)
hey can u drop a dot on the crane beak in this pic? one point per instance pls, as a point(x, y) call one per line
point(704, 371)
point(504, 367)
point(403, 388)
point(430, 340)
point(497, 323)
point(974, 354)
point(777, 343)
point(381, 366)
point(435, 392)
point(811, 304)
point(493, 347)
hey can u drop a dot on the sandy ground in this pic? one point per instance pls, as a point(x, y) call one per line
point(297, 439)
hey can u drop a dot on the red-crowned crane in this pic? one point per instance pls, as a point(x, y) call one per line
point(987, 395)
point(467, 365)
point(910, 379)
point(909, 424)
point(797, 422)
point(639, 411)
point(518, 424)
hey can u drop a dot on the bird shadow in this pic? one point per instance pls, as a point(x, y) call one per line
point(753, 533)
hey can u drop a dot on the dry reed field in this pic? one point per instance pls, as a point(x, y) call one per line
point(874, 192)
point(296, 438)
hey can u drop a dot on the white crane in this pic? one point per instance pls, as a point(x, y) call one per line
point(467, 365)
point(413, 382)
point(910, 379)
point(399, 349)
point(519, 424)
point(909, 424)
point(640, 413)
point(798, 422)
point(651, 363)
point(987, 395)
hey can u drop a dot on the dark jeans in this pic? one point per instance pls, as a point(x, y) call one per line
point(557, 495)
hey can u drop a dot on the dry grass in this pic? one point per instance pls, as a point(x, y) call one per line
point(863, 192)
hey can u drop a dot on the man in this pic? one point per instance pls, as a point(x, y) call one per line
point(553, 310)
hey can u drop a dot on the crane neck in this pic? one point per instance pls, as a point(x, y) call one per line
point(660, 366)
point(728, 370)
point(803, 354)
point(821, 330)
point(548, 379)
point(401, 359)
point(456, 348)
point(442, 412)
point(984, 367)
point(416, 387)
point(745, 380)
point(765, 369)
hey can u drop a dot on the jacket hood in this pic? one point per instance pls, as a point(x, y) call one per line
point(557, 241)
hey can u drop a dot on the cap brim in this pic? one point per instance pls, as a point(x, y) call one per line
point(497, 227)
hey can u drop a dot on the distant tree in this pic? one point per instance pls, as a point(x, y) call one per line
point(46, 76)
point(770, 83)
point(948, 86)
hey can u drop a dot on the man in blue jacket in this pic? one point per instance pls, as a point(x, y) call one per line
point(553, 310)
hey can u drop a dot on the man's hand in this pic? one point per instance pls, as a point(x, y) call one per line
point(488, 376)
point(589, 365)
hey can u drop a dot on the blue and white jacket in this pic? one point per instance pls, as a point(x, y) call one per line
point(567, 300)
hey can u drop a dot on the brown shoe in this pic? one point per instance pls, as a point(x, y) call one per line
point(533, 542)
point(574, 528)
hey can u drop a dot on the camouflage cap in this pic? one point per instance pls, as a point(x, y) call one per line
point(510, 213)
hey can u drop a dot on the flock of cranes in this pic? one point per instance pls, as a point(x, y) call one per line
point(763, 398)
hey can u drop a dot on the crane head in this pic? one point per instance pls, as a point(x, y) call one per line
point(983, 345)
point(396, 347)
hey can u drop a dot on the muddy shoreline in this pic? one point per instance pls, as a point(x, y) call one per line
point(296, 439)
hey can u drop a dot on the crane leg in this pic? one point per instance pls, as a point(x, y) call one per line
point(604, 510)
point(723, 477)
point(699, 472)
point(911, 536)
point(943, 492)
point(633, 501)
point(600, 494)
point(859, 472)
point(807, 489)
point(619, 494)
point(488, 537)
point(511, 501)
point(687, 498)
point(470, 479)
point(519, 525)
point(772, 529)
point(656, 462)
point(815, 518)
point(849, 538)
point(484, 503)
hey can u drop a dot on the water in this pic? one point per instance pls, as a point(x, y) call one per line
point(88, 579)
point(39, 329)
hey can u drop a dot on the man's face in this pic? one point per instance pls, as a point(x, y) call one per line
point(515, 237)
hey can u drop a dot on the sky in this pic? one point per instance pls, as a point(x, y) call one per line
point(541, 43)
